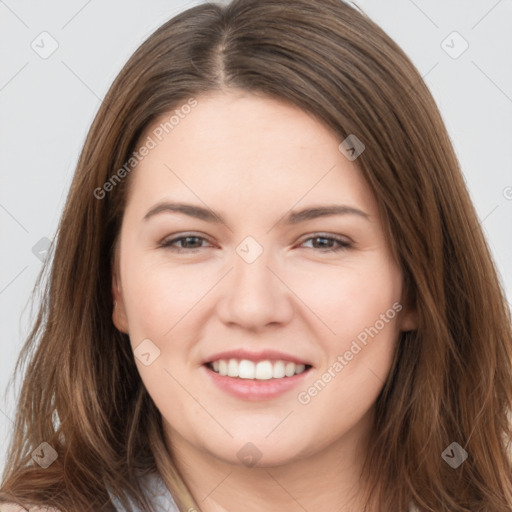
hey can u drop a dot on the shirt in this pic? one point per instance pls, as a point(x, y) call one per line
point(163, 501)
point(157, 491)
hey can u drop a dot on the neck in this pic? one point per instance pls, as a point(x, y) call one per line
point(328, 480)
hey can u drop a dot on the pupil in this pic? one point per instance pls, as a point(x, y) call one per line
point(188, 238)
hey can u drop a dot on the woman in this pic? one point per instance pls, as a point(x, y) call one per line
point(270, 289)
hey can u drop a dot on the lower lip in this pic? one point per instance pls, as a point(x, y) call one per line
point(253, 389)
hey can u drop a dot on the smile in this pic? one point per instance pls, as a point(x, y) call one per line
point(261, 370)
point(255, 380)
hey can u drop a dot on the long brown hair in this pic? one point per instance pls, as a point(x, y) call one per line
point(451, 378)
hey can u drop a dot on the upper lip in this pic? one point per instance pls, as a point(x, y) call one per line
point(262, 355)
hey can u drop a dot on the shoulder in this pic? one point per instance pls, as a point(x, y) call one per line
point(14, 507)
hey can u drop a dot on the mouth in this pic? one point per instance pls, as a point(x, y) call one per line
point(256, 370)
point(256, 380)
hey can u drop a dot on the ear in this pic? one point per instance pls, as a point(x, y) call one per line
point(119, 316)
point(408, 319)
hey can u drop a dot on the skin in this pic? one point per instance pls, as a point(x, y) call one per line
point(251, 159)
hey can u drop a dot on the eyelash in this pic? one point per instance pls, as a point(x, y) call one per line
point(343, 244)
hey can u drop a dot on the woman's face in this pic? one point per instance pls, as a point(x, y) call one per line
point(255, 271)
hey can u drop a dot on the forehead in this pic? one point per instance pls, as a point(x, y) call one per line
point(253, 148)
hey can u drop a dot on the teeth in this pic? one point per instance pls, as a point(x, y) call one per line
point(246, 369)
point(289, 369)
point(263, 370)
point(278, 371)
point(232, 368)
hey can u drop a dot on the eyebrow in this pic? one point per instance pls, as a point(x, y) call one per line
point(294, 217)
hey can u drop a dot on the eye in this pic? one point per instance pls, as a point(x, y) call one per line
point(326, 242)
point(191, 243)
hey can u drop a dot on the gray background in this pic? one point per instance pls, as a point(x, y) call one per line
point(48, 104)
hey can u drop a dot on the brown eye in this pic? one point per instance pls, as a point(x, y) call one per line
point(188, 243)
point(328, 243)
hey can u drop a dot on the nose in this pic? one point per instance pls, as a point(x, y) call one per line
point(254, 295)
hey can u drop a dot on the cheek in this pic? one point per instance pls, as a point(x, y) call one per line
point(348, 298)
point(357, 365)
point(158, 295)
point(366, 324)
point(360, 305)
